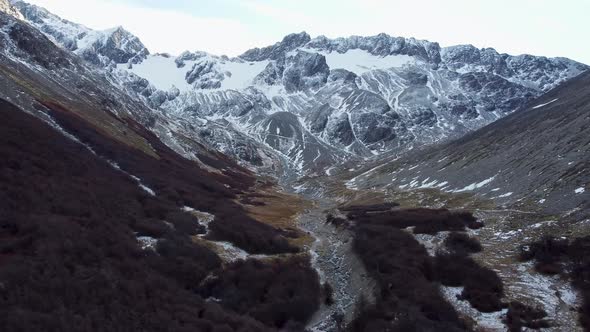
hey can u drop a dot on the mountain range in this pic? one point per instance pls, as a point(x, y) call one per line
point(372, 183)
point(304, 104)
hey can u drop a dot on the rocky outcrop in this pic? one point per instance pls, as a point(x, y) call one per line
point(381, 45)
point(278, 50)
point(305, 71)
point(204, 75)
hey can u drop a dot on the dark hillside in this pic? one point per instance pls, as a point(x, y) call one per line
point(69, 258)
point(182, 183)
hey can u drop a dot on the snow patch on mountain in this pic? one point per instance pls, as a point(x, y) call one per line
point(474, 186)
point(161, 71)
point(242, 74)
point(164, 73)
point(360, 61)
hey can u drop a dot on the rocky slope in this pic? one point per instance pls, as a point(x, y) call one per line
point(305, 104)
point(536, 157)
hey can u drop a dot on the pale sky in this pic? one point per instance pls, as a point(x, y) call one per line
point(538, 27)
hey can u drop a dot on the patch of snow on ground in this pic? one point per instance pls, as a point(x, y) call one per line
point(580, 190)
point(146, 189)
point(505, 195)
point(474, 186)
point(550, 291)
point(147, 243)
point(329, 171)
point(543, 223)
point(431, 184)
point(491, 321)
point(299, 188)
point(231, 252)
point(432, 243)
point(227, 250)
point(541, 105)
point(204, 218)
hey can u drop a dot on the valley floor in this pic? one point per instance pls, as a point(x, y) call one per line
point(505, 232)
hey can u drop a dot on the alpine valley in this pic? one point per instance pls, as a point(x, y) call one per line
point(353, 184)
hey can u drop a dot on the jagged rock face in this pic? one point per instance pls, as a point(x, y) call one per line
point(306, 71)
point(347, 98)
point(188, 56)
point(381, 45)
point(62, 31)
point(205, 75)
point(272, 74)
point(488, 60)
point(32, 45)
point(343, 76)
point(122, 47)
point(544, 73)
point(97, 47)
point(288, 44)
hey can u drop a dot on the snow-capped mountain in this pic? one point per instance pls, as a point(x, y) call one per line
point(312, 102)
point(320, 100)
point(101, 48)
point(7, 7)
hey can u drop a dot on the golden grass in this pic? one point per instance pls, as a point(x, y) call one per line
point(280, 210)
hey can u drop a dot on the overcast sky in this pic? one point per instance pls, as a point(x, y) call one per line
point(539, 27)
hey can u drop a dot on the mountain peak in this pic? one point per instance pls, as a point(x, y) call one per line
point(98, 47)
point(299, 38)
point(289, 43)
point(8, 8)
